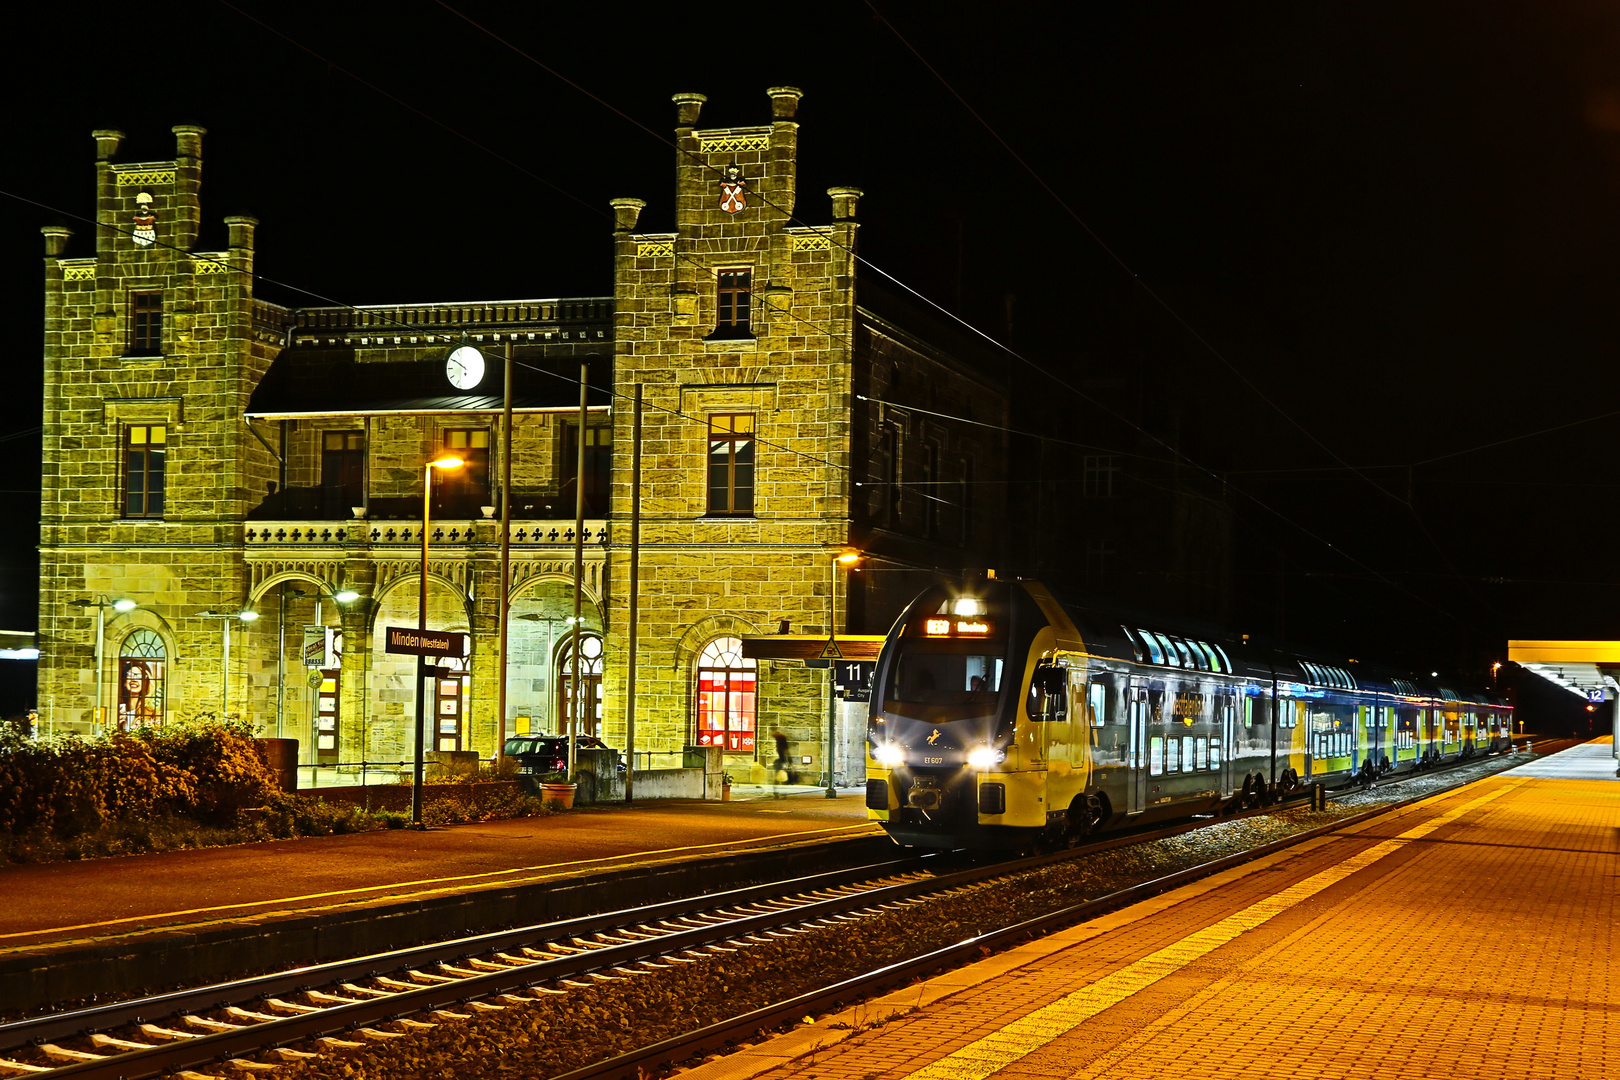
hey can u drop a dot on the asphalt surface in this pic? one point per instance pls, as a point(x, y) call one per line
point(73, 902)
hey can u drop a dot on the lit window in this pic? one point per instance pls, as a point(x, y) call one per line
point(731, 465)
point(145, 453)
point(727, 698)
point(471, 481)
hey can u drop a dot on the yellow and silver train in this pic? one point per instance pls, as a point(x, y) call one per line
point(1004, 717)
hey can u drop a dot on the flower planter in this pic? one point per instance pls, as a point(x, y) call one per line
point(558, 796)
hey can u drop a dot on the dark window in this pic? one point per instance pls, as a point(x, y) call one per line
point(459, 490)
point(598, 465)
point(1097, 481)
point(884, 501)
point(967, 503)
point(932, 492)
point(145, 446)
point(1101, 555)
point(343, 471)
point(146, 324)
point(731, 464)
point(734, 293)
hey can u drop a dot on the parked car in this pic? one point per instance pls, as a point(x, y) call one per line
point(540, 754)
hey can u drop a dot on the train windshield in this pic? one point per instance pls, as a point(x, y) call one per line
point(946, 673)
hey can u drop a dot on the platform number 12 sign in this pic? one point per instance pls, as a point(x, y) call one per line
point(854, 679)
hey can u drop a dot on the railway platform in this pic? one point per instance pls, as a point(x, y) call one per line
point(72, 928)
point(1468, 935)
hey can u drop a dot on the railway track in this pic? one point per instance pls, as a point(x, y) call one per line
point(247, 1026)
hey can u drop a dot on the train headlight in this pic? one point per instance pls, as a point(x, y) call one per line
point(986, 756)
point(888, 754)
point(969, 606)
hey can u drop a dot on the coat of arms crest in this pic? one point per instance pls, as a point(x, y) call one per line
point(733, 190)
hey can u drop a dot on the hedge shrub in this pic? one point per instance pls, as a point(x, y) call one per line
point(57, 791)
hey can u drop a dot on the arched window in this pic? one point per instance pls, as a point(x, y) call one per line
point(727, 700)
point(590, 677)
point(142, 662)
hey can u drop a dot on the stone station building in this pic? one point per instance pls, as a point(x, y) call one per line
point(208, 452)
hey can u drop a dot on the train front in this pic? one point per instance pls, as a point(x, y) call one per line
point(941, 745)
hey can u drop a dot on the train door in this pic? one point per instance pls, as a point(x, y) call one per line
point(1136, 784)
point(1227, 747)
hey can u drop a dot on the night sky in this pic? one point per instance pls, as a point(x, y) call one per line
point(1356, 244)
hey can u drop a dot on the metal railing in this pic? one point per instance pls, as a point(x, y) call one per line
point(362, 773)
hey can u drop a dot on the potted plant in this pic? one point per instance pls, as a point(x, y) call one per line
point(556, 792)
point(725, 787)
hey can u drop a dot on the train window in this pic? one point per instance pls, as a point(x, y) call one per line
point(1155, 652)
point(1187, 659)
point(1098, 692)
point(1172, 755)
point(1136, 645)
point(1156, 756)
point(1226, 661)
point(1048, 694)
point(1201, 748)
point(1214, 753)
point(1209, 655)
point(1188, 762)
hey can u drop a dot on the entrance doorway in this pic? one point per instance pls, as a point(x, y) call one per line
point(590, 678)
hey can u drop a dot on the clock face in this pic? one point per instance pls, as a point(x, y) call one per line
point(465, 368)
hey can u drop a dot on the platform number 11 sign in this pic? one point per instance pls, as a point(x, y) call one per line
point(854, 679)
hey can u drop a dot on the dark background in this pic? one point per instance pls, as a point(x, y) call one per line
point(1364, 253)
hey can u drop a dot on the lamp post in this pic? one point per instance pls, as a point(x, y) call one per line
point(246, 615)
point(446, 462)
point(101, 604)
point(847, 558)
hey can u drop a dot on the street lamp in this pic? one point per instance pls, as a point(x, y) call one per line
point(101, 604)
point(446, 462)
point(246, 615)
point(846, 558)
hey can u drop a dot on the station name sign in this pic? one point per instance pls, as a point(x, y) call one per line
point(413, 642)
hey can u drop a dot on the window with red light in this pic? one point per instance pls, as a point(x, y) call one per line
point(727, 697)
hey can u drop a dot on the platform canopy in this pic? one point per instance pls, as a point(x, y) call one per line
point(1581, 667)
point(812, 647)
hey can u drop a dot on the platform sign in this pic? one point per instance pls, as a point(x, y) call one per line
point(1595, 696)
point(318, 647)
point(854, 679)
point(413, 642)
